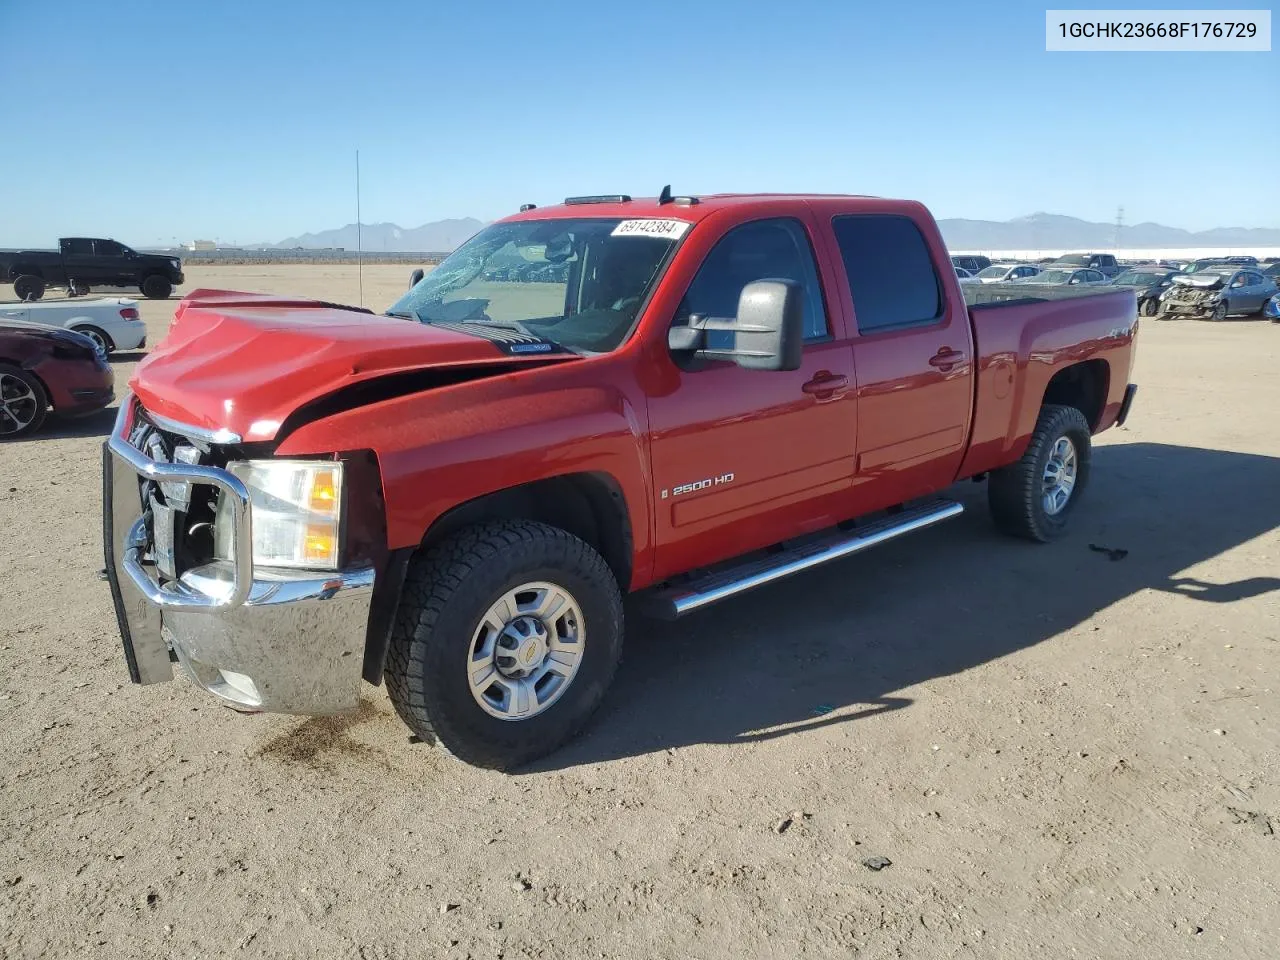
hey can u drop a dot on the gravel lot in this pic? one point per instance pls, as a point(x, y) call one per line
point(1061, 754)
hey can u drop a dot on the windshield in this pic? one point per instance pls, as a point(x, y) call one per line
point(1200, 265)
point(575, 283)
point(996, 272)
point(1074, 260)
point(1132, 279)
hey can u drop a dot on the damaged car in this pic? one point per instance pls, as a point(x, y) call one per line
point(1216, 293)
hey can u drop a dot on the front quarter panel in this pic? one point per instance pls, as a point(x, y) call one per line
point(442, 448)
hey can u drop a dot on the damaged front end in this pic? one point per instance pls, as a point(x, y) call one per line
point(1195, 294)
point(189, 581)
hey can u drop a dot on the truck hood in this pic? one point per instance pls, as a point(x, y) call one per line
point(236, 365)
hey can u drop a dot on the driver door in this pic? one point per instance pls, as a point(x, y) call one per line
point(742, 459)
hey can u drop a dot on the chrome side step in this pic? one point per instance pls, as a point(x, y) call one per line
point(668, 603)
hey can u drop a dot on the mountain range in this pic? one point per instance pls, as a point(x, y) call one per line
point(1039, 231)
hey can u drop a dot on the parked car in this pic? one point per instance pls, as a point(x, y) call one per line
point(1270, 268)
point(1104, 263)
point(974, 264)
point(81, 263)
point(113, 324)
point(1003, 272)
point(965, 276)
point(704, 402)
point(47, 369)
point(1272, 309)
point(1053, 276)
point(1212, 263)
point(1148, 282)
point(1217, 293)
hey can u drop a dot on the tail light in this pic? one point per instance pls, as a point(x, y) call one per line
point(129, 313)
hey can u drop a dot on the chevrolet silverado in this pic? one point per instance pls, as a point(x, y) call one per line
point(683, 398)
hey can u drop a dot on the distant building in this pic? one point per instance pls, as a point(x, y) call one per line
point(195, 245)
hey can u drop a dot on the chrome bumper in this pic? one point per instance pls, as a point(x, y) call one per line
point(275, 640)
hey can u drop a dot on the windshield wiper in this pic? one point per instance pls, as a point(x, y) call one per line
point(402, 316)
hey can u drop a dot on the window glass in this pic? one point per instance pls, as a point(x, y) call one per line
point(79, 248)
point(891, 277)
point(760, 250)
point(579, 283)
point(107, 248)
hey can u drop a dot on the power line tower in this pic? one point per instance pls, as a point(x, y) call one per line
point(1119, 226)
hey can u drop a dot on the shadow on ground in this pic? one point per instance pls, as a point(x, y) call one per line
point(837, 644)
point(96, 424)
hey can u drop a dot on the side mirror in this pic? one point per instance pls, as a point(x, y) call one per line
point(416, 277)
point(768, 330)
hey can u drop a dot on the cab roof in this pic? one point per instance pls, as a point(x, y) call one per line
point(690, 208)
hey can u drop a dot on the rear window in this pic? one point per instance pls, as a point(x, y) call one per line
point(891, 277)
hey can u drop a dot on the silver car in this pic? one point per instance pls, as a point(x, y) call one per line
point(1005, 272)
point(1066, 276)
point(1217, 293)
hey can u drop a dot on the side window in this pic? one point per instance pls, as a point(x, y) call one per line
point(78, 248)
point(891, 276)
point(760, 250)
point(107, 248)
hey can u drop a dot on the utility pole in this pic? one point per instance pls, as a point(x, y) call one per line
point(1119, 226)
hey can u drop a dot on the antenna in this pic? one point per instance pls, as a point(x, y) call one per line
point(359, 235)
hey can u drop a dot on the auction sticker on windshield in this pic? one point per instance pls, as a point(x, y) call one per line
point(663, 229)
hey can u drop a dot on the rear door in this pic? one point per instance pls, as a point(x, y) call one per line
point(913, 357)
point(746, 458)
point(79, 262)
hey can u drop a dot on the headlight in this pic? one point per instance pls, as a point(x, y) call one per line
point(176, 264)
point(297, 512)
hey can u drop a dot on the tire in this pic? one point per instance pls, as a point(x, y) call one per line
point(449, 591)
point(1219, 311)
point(1017, 493)
point(24, 406)
point(28, 288)
point(97, 336)
point(156, 287)
point(1149, 307)
point(77, 289)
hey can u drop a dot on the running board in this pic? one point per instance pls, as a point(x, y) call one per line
point(668, 603)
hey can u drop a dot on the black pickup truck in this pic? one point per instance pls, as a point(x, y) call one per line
point(80, 263)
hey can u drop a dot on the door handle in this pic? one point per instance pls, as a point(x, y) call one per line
point(825, 384)
point(946, 358)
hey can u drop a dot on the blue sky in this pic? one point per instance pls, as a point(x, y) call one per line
point(150, 121)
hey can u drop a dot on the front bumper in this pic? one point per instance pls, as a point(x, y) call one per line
point(281, 641)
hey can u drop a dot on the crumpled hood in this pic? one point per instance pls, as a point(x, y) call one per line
point(242, 362)
point(1202, 280)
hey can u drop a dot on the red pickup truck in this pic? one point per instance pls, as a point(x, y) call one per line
point(681, 397)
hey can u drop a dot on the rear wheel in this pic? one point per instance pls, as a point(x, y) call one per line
point(1034, 497)
point(78, 289)
point(22, 403)
point(157, 287)
point(98, 337)
point(28, 288)
point(507, 636)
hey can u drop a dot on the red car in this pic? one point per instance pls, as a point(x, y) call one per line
point(48, 369)
point(685, 397)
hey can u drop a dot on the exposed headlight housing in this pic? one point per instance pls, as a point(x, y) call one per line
point(296, 507)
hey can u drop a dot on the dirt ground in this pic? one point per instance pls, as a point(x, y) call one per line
point(1062, 753)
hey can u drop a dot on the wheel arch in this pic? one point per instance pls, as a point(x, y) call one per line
point(590, 505)
point(1082, 385)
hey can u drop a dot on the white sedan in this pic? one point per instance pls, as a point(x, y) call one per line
point(111, 322)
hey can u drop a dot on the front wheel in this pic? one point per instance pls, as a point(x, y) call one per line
point(507, 636)
point(157, 288)
point(1149, 307)
point(1034, 497)
point(22, 402)
point(1219, 311)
